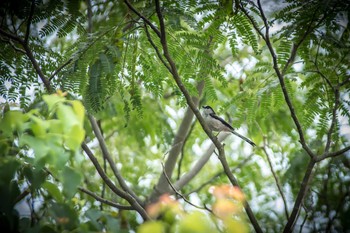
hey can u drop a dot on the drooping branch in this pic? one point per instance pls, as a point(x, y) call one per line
point(218, 174)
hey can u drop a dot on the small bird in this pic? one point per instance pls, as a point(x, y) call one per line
point(216, 123)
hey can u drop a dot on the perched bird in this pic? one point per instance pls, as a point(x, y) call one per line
point(216, 123)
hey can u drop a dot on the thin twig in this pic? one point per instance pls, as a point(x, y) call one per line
point(182, 196)
point(60, 68)
point(156, 49)
point(276, 181)
point(105, 201)
point(183, 150)
point(218, 174)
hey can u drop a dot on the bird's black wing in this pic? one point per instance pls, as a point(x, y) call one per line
point(222, 120)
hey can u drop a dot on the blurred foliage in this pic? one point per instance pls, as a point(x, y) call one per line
point(108, 62)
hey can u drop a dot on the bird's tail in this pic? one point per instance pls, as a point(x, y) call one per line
point(244, 138)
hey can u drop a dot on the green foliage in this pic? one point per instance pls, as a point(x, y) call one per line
point(114, 63)
point(52, 139)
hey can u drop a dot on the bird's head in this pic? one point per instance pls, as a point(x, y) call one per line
point(208, 110)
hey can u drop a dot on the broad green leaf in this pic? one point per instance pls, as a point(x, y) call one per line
point(71, 179)
point(67, 117)
point(52, 100)
point(12, 121)
point(75, 137)
point(53, 190)
point(79, 110)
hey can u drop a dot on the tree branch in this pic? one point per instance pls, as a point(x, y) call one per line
point(37, 68)
point(334, 119)
point(182, 196)
point(106, 154)
point(110, 184)
point(11, 36)
point(240, 165)
point(276, 181)
point(31, 13)
point(333, 154)
point(196, 112)
point(298, 202)
point(105, 201)
point(185, 179)
point(154, 28)
point(156, 49)
point(60, 68)
point(184, 128)
point(280, 76)
point(182, 153)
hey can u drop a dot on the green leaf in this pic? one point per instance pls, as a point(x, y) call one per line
point(196, 222)
point(154, 227)
point(71, 179)
point(75, 137)
point(52, 100)
point(53, 190)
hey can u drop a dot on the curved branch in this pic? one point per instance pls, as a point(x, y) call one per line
point(182, 196)
point(110, 184)
point(106, 154)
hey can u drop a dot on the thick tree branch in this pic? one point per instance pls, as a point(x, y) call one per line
point(105, 201)
point(162, 185)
